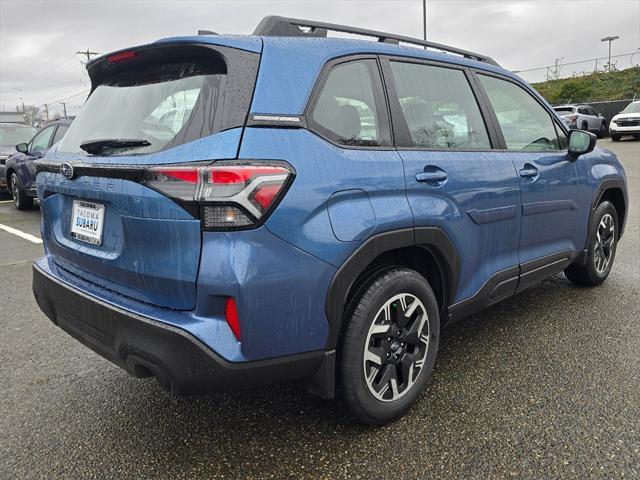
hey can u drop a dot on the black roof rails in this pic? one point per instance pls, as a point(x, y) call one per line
point(275, 26)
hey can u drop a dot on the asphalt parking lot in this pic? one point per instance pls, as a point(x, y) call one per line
point(546, 384)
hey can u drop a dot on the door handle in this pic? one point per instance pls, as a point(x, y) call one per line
point(437, 176)
point(529, 171)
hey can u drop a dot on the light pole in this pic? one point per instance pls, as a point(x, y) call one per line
point(609, 39)
point(424, 20)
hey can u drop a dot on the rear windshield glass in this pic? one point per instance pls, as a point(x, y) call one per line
point(12, 134)
point(162, 104)
point(562, 110)
point(162, 96)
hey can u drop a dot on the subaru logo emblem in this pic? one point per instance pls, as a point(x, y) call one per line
point(66, 169)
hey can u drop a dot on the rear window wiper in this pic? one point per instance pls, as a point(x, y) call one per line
point(95, 147)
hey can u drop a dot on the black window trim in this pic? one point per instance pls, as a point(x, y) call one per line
point(401, 134)
point(552, 115)
point(380, 97)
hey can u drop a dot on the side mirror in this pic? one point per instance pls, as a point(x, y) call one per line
point(22, 148)
point(581, 142)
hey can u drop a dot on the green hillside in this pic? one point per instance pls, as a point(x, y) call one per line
point(595, 87)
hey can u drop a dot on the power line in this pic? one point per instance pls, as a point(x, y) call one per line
point(573, 63)
point(59, 100)
point(48, 72)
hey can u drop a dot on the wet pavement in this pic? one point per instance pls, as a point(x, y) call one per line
point(546, 384)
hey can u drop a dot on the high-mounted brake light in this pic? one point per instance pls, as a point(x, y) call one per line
point(121, 57)
point(231, 195)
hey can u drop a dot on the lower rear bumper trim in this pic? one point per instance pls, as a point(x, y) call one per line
point(145, 347)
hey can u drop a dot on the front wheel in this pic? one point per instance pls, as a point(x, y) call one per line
point(615, 138)
point(601, 251)
point(389, 346)
point(602, 131)
point(21, 200)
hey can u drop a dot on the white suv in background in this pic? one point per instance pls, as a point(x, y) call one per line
point(582, 117)
point(627, 122)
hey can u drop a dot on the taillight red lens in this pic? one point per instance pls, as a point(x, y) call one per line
point(231, 315)
point(244, 193)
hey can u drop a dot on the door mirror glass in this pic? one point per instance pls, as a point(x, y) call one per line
point(581, 142)
point(22, 148)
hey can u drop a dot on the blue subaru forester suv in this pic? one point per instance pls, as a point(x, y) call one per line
point(229, 211)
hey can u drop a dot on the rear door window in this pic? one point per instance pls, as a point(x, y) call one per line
point(439, 107)
point(349, 110)
point(525, 123)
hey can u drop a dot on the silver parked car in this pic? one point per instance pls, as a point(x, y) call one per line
point(582, 117)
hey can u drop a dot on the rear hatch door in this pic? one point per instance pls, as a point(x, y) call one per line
point(165, 103)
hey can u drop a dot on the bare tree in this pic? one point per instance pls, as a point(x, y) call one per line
point(31, 114)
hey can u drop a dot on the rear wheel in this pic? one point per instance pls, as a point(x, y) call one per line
point(21, 200)
point(603, 130)
point(585, 126)
point(389, 346)
point(603, 240)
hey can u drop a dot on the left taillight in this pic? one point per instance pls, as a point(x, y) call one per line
point(229, 195)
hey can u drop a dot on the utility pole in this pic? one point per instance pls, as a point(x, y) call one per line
point(46, 111)
point(87, 53)
point(555, 71)
point(610, 40)
point(424, 20)
point(64, 106)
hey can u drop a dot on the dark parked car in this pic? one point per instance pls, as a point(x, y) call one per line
point(11, 133)
point(20, 171)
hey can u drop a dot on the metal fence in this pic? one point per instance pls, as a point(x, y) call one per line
point(609, 109)
point(560, 69)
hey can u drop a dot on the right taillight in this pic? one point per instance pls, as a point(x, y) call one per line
point(230, 194)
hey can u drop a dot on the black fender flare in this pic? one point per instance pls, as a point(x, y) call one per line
point(610, 184)
point(434, 239)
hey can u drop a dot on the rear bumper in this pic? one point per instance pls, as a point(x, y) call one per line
point(145, 347)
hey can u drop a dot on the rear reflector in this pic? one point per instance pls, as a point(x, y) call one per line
point(231, 315)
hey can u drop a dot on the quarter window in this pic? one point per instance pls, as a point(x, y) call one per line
point(347, 110)
point(525, 124)
point(439, 107)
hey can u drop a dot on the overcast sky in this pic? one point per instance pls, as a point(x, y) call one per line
point(38, 39)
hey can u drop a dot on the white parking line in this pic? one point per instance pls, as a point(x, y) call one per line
point(6, 201)
point(20, 234)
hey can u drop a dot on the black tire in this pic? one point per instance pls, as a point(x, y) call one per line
point(636, 136)
point(411, 345)
point(603, 130)
point(593, 272)
point(585, 126)
point(21, 200)
point(615, 138)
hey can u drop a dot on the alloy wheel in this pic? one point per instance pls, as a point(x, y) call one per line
point(396, 347)
point(605, 243)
